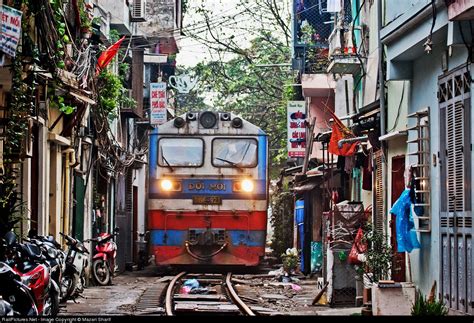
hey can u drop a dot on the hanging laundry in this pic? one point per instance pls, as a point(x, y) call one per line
point(333, 6)
point(404, 224)
point(349, 164)
point(367, 175)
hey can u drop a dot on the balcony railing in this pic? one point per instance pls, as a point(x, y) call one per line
point(343, 51)
point(311, 27)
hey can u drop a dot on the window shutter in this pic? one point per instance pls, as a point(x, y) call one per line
point(455, 156)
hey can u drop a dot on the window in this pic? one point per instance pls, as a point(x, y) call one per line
point(186, 152)
point(228, 152)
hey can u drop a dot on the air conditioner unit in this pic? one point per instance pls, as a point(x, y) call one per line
point(138, 10)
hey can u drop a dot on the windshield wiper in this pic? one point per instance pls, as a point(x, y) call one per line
point(229, 162)
point(166, 161)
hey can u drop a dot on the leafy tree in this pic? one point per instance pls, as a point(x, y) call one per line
point(248, 78)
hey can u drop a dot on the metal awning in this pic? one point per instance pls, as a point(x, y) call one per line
point(292, 170)
point(394, 134)
point(369, 110)
point(306, 187)
point(82, 98)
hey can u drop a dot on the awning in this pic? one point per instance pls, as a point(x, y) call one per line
point(82, 98)
point(369, 110)
point(293, 170)
point(306, 187)
point(394, 134)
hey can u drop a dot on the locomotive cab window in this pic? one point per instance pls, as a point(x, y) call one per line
point(185, 152)
point(231, 152)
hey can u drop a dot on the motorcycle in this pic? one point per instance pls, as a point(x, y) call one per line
point(5, 308)
point(15, 293)
point(54, 257)
point(74, 278)
point(30, 265)
point(103, 262)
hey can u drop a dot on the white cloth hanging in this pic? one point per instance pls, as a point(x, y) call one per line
point(333, 6)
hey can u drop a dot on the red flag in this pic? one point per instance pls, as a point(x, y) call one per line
point(108, 55)
point(340, 131)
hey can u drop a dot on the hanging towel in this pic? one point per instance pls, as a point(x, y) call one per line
point(404, 224)
point(333, 6)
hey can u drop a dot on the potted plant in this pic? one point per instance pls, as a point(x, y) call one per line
point(86, 22)
point(428, 307)
point(290, 262)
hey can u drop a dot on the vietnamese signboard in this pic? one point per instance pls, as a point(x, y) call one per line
point(296, 129)
point(11, 30)
point(158, 103)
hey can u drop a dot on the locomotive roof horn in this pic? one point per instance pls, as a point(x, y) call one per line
point(237, 122)
point(225, 116)
point(191, 116)
point(179, 122)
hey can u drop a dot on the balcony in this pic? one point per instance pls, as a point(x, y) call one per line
point(127, 108)
point(312, 27)
point(162, 19)
point(460, 9)
point(120, 15)
point(342, 52)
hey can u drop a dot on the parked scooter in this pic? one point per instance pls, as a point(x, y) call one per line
point(74, 277)
point(54, 257)
point(30, 264)
point(103, 263)
point(15, 293)
point(5, 308)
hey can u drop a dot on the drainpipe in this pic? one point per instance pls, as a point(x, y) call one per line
point(382, 109)
point(69, 160)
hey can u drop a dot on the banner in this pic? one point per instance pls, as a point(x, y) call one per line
point(296, 129)
point(158, 103)
point(11, 30)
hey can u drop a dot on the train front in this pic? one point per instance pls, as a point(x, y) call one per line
point(208, 193)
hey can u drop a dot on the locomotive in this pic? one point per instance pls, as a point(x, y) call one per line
point(208, 190)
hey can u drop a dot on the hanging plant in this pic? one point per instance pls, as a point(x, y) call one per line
point(110, 91)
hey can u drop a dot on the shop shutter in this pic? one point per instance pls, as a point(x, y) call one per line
point(456, 254)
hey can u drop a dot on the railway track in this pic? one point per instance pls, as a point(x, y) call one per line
point(217, 295)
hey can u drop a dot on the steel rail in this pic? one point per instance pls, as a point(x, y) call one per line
point(235, 297)
point(169, 294)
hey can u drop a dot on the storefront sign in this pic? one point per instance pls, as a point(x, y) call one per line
point(11, 30)
point(296, 129)
point(158, 103)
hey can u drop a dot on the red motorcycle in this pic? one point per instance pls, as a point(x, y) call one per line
point(103, 262)
point(29, 264)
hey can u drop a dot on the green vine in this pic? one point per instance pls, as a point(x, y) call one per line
point(59, 103)
point(61, 28)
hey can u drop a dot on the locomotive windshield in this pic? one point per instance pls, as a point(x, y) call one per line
point(228, 152)
point(180, 152)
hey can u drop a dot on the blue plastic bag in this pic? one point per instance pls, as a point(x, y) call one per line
point(192, 283)
point(406, 235)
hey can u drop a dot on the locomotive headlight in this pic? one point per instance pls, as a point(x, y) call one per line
point(247, 185)
point(166, 185)
point(169, 185)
